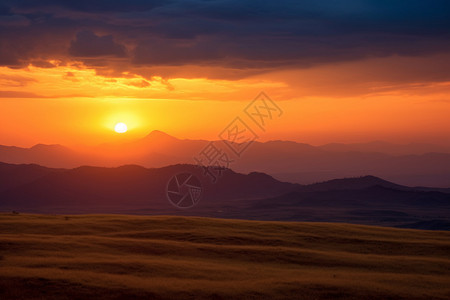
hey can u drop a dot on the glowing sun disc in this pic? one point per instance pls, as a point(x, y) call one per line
point(120, 128)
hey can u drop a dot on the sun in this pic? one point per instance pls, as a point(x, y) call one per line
point(120, 128)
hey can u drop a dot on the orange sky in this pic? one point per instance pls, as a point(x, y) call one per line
point(371, 99)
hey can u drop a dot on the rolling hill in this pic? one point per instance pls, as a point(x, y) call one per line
point(141, 257)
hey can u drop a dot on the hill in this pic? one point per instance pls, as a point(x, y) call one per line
point(414, 164)
point(136, 257)
point(255, 196)
point(127, 188)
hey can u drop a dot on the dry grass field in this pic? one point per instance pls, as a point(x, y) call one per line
point(132, 257)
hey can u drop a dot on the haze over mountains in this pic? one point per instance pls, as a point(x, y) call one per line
point(413, 164)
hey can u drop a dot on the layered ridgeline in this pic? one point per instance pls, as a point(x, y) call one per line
point(138, 190)
point(412, 164)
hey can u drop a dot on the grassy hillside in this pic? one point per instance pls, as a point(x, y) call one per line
point(121, 257)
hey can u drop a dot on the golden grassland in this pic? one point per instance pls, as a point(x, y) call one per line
point(164, 257)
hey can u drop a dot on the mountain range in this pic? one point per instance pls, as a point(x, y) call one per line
point(137, 190)
point(412, 164)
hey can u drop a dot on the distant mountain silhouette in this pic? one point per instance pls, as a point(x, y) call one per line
point(387, 148)
point(126, 187)
point(134, 189)
point(375, 205)
point(285, 160)
point(354, 183)
point(13, 176)
point(153, 142)
point(45, 155)
point(373, 197)
point(428, 225)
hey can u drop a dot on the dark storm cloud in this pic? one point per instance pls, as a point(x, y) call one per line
point(240, 34)
point(87, 44)
point(89, 5)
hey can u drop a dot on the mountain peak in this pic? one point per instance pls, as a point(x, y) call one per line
point(157, 134)
point(353, 183)
point(45, 147)
point(157, 137)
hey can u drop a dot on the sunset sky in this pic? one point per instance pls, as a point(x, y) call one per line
point(341, 71)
